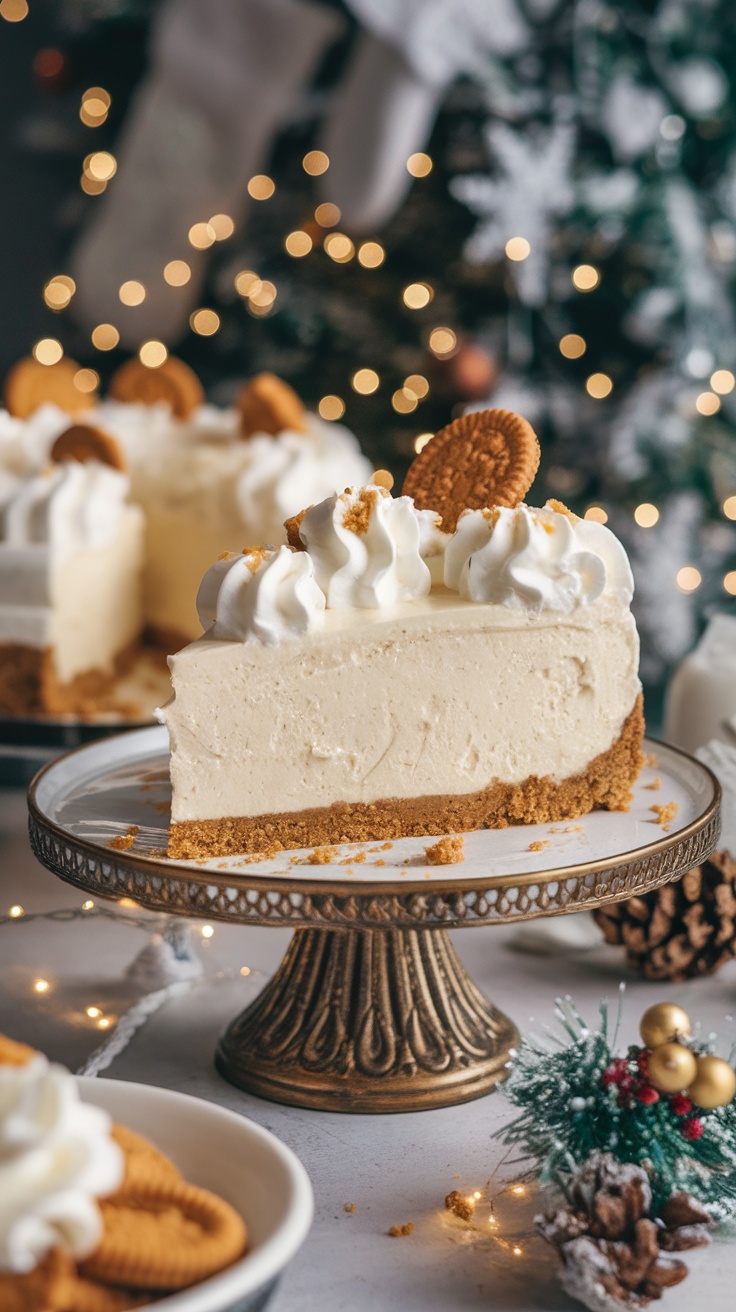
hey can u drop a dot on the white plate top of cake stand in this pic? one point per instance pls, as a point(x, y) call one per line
point(99, 818)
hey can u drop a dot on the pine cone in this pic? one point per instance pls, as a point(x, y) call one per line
point(682, 930)
point(611, 1247)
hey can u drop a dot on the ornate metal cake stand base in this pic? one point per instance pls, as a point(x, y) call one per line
point(371, 1020)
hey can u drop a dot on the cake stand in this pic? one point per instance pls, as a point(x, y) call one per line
point(371, 1009)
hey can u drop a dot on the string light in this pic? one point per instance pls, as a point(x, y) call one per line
point(247, 282)
point(202, 236)
point(442, 342)
point(517, 248)
point(48, 351)
point(327, 215)
point(598, 386)
point(204, 322)
point(729, 507)
point(101, 166)
point(88, 905)
point(371, 255)
point(207, 931)
point(331, 407)
point(222, 226)
point(419, 165)
point(177, 273)
point(13, 11)
point(518, 1189)
point(417, 384)
point(585, 278)
point(339, 247)
point(152, 354)
point(417, 295)
point(421, 441)
point(365, 381)
point(41, 986)
point(93, 1012)
point(59, 291)
point(263, 295)
point(16, 912)
point(261, 187)
point(315, 162)
point(298, 243)
point(729, 582)
point(132, 292)
point(723, 381)
point(95, 106)
point(572, 346)
point(404, 401)
point(707, 403)
point(646, 515)
point(105, 337)
point(517, 1251)
point(688, 578)
point(91, 186)
point(104, 1023)
point(86, 380)
point(245, 970)
point(597, 514)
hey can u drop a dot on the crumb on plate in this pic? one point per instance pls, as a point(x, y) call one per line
point(447, 852)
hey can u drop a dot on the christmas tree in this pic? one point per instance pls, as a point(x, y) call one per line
point(567, 249)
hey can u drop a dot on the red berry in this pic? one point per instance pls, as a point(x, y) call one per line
point(648, 1095)
point(642, 1059)
point(692, 1129)
point(681, 1104)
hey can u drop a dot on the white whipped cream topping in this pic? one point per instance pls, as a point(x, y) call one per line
point(266, 595)
point(535, 560)
point(70, 506)
point(56, 1158)
point(366, 547)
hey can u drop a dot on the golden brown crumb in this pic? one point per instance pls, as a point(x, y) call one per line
point(459, 1206)
point(321, 856)
point(398, 1231)
point(348, 1207)
point(665, 815)
point(539, 847)
point(356, 859)
point(292, 526)
point(651, 760)
point(385, 847)
point(655, 785)
point(560, 508)
point(123, 842)
point(358, 517)
point(447, 852)
point(379, 863)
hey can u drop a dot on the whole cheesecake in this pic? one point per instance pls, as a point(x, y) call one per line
point(382, 677)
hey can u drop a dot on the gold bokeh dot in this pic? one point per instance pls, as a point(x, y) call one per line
point(572, 346)
point(419, 164)
point(646, 515)
point(722, 381)
point(204, 322)
point(132, 292)
point(202, 236)
point(86, 380)
point(327, 214)
point(298, 243)
point(105, 337)
point(597, 514)
point(97, 93)
point(177, 273)
point(222, 226)
point(417, 384)
point(517, 248)
point(59, 291)
point(261, 187)
point(339, 247)
point(442, 341)
point(688, 578)
point(365, 381)
point(246, 282)
point(585, 278)
point(152, 354)
point(315, 162)
point(93, 113)
point(48, 351)
point(331, 407)
point(91, 187)
point(263, 295)
point(729, 507)
point(598, 386)
point(729, 582)
point(404, 401)
point(371, 255)
point(100, 166)
point(707, 403)
point(13, 11)
point(417, 295)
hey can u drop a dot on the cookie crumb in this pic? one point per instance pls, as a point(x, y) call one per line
point(655, 785)
point(398, 1231)
point(321, 856)
point(124, 841)
point(539, 846)
point(348, 1207)
point(379, 863)
point(651, 760)
point(665, 815)
point(386, 847)
point(447, 852)
point(459, 1206)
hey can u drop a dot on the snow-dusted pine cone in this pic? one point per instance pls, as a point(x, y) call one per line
point(612, 1248)
point(682, 930)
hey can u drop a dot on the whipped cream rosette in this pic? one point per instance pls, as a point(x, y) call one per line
point(269, 596)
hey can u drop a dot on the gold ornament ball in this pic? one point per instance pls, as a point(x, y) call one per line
point(671, 1068)
point(714, 1084)
point(662, 1023)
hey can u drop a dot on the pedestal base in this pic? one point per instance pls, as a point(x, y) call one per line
point(368, 1021)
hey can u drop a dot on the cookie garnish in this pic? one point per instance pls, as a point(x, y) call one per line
point(30, 384)
point(268, 405)
point(292, 526)
point(85, 442)
point(487, 458)
point(173, 382)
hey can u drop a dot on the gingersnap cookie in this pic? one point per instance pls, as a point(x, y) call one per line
point(30, 384)
point(173, 382)
point(13, 1053)
point(293, 526)
point(55, 1286)
point(86, 442)
point(268, 405)
point(487, 458)
point(143, 1162)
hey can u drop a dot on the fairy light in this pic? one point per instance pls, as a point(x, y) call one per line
point(298, 243)
point(48, 351)
point(245, 970)
point(404, 401)
point(517, 248)
point(263, 295)
point(596, 514)
point(93, 1012)
point(729, 582)
point(339, 247)
point(371, 254)
point(646, 515)
point(331, 407)
point(585, 278)
point(722, 381)
point(13, 11)
point(202, 236)
point(517, 1252)
point(519, 1190)
point(128, 902)
point(421, 441)
point(152, 354)
point(327, 214)
point(688, 578)
point(246, 282)
point(204, 322)
point(222, 226)
point(365, 381)
point(707, 403)
point(729, 507)
point(104, 1023)
point(16, 912)
point(417, 295)
point(132, 292)
point(261, 187)
point(207, 931)
point(315, 163)
point(442, 342)
point(86, 380)
point(95, 106)
point(572, 346)
point(598, 386)
point(419, 164)
point(101, 166)
point(88, 905)
point(59, 291)
point(90, 186)
point(105, 337)
point(177, 273)
point(41, 986)
point(417, 384)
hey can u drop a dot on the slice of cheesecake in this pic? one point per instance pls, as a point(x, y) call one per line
point(339, 694)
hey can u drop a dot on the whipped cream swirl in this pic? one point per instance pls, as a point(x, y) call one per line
point(262, 594)
point(70, 506)
point(56, 1159)
point(535, 560)
point(367, 548)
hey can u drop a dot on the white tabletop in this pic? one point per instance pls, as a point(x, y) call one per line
point(394, 1169)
